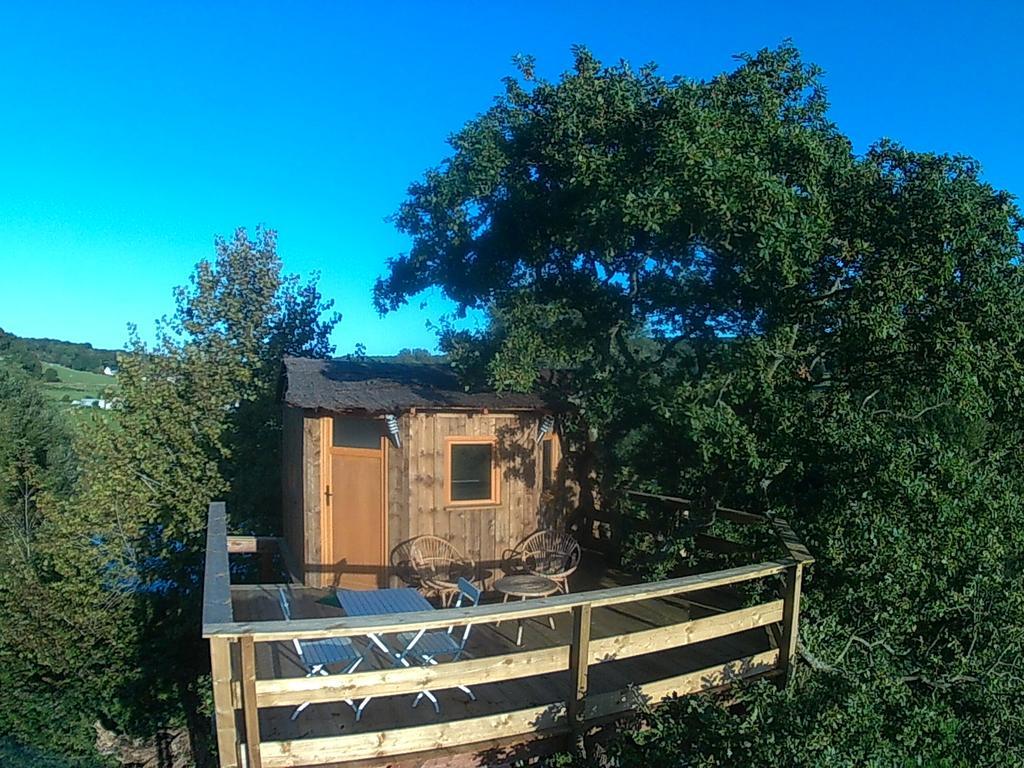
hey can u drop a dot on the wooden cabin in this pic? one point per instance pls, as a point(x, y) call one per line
point(376, 454)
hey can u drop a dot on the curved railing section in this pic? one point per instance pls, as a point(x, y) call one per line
point(239, 694)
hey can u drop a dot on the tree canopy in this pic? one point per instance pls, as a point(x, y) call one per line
point(758, 315)
point(103, 547)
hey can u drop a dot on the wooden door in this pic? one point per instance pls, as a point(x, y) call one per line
point(356, 503)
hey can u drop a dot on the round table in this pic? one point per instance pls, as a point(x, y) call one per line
point(523, 586)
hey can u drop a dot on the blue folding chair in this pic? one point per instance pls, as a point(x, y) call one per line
point(431, 647)
point(316, 655)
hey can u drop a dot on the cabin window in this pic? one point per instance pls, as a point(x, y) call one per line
point(357, 433)
point(472, 471)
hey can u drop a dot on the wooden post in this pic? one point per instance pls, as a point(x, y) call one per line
point(790, 617)
point(223, 709)
point(252, 715)
point(579, 661)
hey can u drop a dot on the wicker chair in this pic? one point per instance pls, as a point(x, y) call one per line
point(438, 566)
point(401, 563)
point(551, 554)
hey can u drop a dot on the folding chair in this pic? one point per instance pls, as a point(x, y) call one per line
point(315, 655)
point(428, 647)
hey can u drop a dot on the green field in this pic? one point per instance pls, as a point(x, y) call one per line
point(74, 385)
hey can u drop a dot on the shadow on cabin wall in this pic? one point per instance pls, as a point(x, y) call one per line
point(518, 458)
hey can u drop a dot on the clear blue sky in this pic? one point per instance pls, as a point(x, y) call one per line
point(132, 133)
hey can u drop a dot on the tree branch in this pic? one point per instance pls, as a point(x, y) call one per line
point(837, 287)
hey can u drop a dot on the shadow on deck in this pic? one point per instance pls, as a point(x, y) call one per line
point(279, 660)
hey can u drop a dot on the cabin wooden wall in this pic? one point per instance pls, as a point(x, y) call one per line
point(398, 493)
point(416, 491)
point(291, 485)
point(301, 492)
point(487, 532)
point(312, 499)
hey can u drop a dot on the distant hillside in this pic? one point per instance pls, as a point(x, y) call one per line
point(68, 372)
point(31, 354)
point(76, 387)
point(78, 357)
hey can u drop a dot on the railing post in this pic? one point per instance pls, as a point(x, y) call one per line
point(249, 708)
point(579, 663)
point(223, 707)
point(790, 617)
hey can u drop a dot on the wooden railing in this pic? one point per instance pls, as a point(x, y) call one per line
point(237, 689)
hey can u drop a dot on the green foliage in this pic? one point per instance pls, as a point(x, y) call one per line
point(64, 651)
point(755, 315)
point(819, 721)
point(417, 355)
point(196, 420)
point(16, 756)
point(34, 459)
point(15, 354)
point(100, 604)
point(196, 417)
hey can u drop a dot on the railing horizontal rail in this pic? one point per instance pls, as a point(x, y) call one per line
point(631, 644)
point(390, 682)
point(251, 544)
point(719, 545)
point(740, 517)
point(492, 669)
point(605, 704)
point(306, 629)
point(547, 719)
point(726, 513)
point(793, 545)
point(217, 577)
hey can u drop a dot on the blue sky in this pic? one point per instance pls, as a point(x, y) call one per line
point(132, 133)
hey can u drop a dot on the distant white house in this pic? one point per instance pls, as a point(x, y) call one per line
point(110, 370)
point(93, 402)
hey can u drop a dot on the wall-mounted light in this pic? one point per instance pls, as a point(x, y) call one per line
point(391, 421)
point(546, 425)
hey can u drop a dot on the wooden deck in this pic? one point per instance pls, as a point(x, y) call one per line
point(617, 643)
point(278, 659)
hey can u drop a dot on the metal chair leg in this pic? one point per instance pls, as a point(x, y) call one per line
point(519, 633)
point(504, 599)
point(432, 699)
point(352, 668)
point(310, 672)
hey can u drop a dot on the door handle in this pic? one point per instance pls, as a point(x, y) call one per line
point(328, 494)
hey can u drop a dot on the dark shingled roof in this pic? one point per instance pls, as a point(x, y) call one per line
point(376, 387)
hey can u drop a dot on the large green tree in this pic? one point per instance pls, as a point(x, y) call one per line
point(758, 315)
point(197, 419)
point(102, 579)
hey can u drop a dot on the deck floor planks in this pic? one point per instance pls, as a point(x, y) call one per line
point(336, 718)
